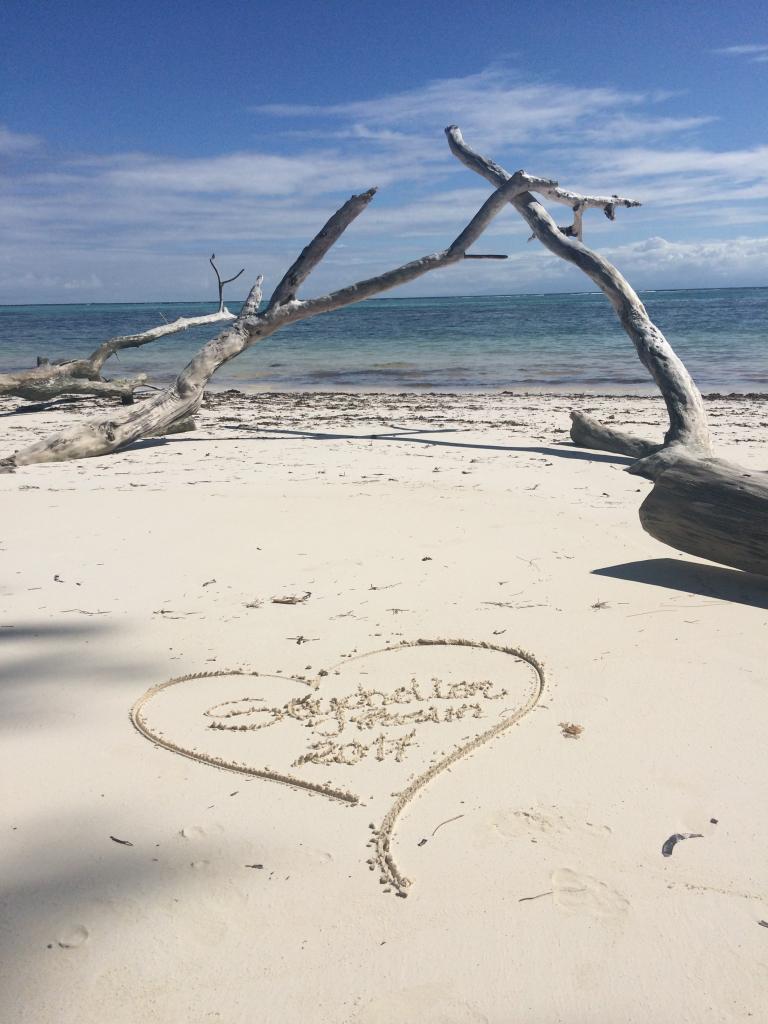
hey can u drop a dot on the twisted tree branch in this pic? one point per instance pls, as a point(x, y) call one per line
point(687, 418)
point(221, 283)
point(163, 412)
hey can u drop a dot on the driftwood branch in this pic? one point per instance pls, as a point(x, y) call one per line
point(49, 380)
point(704, 506)
point(312, 254)
point(162, 412)
point(699, 504)
point(97, 358)
point(221, 283)
point(46, 389)
point(688, 426)
point(710, 508)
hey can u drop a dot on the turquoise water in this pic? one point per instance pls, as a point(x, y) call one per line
point(567, 341)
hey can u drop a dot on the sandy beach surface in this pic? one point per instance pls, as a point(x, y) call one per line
point(609, 694)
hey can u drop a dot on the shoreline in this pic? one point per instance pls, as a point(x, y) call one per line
point(392, 298)
point(545, 391)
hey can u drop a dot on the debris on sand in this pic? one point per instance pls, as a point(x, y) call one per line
point(669, 845)
point(293, 598)
point(123, 842)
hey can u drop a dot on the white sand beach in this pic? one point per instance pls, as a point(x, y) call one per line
point(142, 885)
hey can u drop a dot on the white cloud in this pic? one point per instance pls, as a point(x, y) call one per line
point(756, 52)
point(739, 165)
point(140, 225)
point(625, 128)
point(495, 107)
point(12, 143)
point(712, 262)
point(261, 174)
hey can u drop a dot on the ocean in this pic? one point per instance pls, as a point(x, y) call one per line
point(558, 342)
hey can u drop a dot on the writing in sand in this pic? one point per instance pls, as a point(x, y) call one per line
point(333, 722)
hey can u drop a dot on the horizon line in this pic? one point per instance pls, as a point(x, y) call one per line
point(481, 295)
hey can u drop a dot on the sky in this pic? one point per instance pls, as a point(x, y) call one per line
point(137, 138)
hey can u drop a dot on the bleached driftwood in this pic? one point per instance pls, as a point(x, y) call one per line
point(160, 413)
point(699, 504)
point(688, 426)
point(710, 508)
point(48, 380)
point(57, 382)
point(705, 506)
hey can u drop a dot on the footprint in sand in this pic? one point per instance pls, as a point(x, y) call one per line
point(548, 821)
point(196, 832)
point(584, 894)
point(73, 936)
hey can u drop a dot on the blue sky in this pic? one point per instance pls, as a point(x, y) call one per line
point(136, 138)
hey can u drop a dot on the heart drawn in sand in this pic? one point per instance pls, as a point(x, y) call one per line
point(384, 723)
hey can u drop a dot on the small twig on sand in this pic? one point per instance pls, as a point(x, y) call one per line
point(446, 822)
point(123, 842)
point(524, 899)
point(293, 598)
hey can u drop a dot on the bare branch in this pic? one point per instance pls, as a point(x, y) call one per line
point(494, 173)
point(47, 380)
point(508, 189)
point(313, 253)
point(166, 410)
point(229, 280)
point(588, 432)
point(222, 283)
point(607, 203)
point(211, 259)
point(108, 348)
point(227, 345)
point(687, 417)
point(252, 303)
point(47, 389)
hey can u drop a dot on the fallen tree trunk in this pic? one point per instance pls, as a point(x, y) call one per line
point(49, 380)
point(587, 432)
point(688, 426)
point(701, 505)
point(162, 412)
point(50, 386)
point(712, 509)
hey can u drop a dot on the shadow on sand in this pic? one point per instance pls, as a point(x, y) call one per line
point(694, 578)
point(276, 433)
